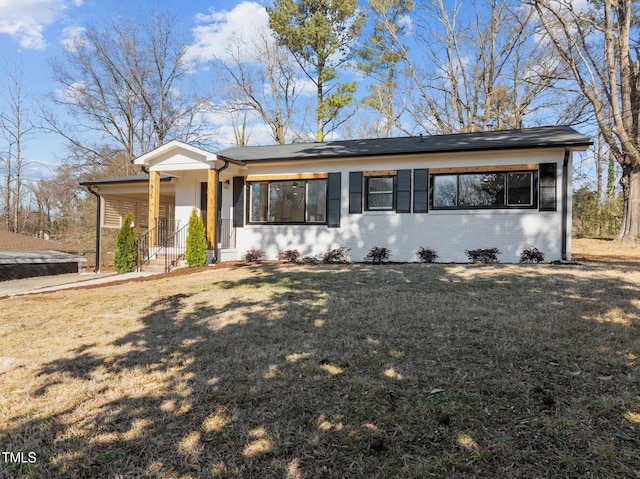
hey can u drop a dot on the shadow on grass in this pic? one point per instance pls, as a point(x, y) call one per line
point(358, 371)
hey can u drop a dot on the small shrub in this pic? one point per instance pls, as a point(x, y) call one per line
point(253, 255)
point(289, 256)
point(337, 255)
point(488, 255)
point(379, 254)
point(126, 257)
point(531, 255)
point(196, 252)
point(427, 255)
point(308, 260)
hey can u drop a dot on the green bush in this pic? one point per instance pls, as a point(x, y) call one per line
point(126, 257)
point(196, 254)
point(427, 255)
point(531, 255)
point(486, 255)
point(379, 254)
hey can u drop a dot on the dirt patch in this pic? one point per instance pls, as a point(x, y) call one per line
point(7, 364)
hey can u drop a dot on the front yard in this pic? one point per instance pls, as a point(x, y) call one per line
point(328, 371)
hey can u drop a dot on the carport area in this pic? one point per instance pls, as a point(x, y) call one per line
point(26, 264)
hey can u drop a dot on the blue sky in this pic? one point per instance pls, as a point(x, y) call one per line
point(33, 32)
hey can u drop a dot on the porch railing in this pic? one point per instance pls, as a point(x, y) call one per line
point(175, 248)
point(167, 241)
point(144, 251)
point(227, 234)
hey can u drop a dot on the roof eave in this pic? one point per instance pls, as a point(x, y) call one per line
point(122, 180)
point(578, 146)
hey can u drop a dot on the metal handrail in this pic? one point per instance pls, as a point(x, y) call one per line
point(175, 248)
point(170, 244)
point(142, 245)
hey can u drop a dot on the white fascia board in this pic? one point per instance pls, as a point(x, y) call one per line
point(174, 147)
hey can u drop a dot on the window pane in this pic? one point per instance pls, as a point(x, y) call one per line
point(317, 201)
point(445, 191)
point(481, 190)
point(378, 201)
point(381, 185)
point(380, 193)
point(519, 189)
point(286, 201)
point(259, 202)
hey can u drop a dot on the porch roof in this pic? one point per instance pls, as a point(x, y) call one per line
point(176, 155)
point(141, 178)
point(539, 137)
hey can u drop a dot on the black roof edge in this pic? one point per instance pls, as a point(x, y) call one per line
point(544, 137)
point(452, 150)
point(141, 178)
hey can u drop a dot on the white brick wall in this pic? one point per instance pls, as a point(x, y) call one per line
point(450, 233)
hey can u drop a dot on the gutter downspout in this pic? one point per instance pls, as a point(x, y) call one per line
point(565, 200)
point(216, 250)
point(98, 228)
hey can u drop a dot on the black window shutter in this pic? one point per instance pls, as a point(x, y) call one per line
point(403, 196)
point(238, 201)
point(355, 192)
point(421, 190)
point(334, 185)
point(548, 188)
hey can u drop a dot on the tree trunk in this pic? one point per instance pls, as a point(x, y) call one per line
point(320, 111)
point(630, 227)
point(599, 161)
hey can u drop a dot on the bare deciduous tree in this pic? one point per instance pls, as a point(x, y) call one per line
point(16, 129)
point(259, 75)
point(123, 83)
point(487, 67)
point(599, 45)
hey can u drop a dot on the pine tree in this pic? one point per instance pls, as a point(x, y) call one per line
point(196, 254)
point(126, 257)
point(320, 35)
point(381, 57)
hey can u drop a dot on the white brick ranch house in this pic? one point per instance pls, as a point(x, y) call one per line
point(506, 189)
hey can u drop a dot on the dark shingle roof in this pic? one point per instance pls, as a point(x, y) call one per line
point(540, 137)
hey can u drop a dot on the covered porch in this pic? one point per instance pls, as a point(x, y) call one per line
point(178, 178)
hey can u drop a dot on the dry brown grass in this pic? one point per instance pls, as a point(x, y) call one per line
point(329, 371)
point(609, 251)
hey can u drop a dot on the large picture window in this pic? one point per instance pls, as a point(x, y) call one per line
point(483, 190)
point(300, 201)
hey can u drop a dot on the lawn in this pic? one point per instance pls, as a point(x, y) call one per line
point(280, 371)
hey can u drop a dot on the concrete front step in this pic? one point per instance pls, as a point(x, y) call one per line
point(153, 268)
point(157, 265)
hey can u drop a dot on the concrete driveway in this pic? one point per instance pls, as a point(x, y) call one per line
point(63, 281)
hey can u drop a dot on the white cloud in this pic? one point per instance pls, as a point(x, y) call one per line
point(406, 22)
point(217, 31)
point(25, 20)
point(72, 37)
